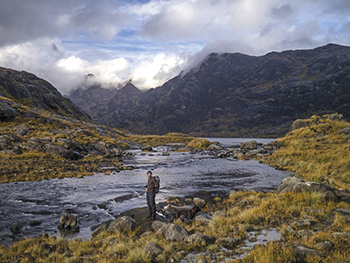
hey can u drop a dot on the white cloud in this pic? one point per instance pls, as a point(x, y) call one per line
point(48, 59)
point(150, 42)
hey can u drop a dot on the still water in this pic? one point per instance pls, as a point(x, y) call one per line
point(37, 206)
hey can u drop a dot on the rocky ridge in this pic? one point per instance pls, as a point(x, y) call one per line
point(236, 95)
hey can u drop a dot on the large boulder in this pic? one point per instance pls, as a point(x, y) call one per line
point(69, 220)
point(173, 232)
point(35, 144)
point(68, 225)
point(295, 184)
point(62, 152)
point(214, 147)
point(298, 124)
point(122, 224)
point(72, 145)
point(199, 202)
point(251, 145)
point(147, 148)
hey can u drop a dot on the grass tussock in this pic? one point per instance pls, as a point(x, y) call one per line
point(273, 252)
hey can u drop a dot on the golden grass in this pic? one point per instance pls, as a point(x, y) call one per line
point(316, 152)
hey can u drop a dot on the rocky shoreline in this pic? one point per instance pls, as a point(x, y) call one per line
point(302, 221)
point(174, 230)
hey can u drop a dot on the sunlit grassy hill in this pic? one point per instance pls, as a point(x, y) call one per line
point(317, 151)
point(37, 144)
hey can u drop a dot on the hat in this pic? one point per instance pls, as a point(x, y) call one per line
point(149, 172)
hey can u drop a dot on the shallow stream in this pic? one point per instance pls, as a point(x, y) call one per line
point(35, 207)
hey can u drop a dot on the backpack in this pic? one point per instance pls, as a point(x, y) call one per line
point(156, 187)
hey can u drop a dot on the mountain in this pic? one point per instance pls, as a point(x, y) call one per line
point(27, 89)
point(107, 105)
point(240, 95)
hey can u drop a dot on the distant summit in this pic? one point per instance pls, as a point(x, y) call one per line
point(237, 95)
point(105, 105)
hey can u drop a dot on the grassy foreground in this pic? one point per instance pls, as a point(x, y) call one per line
point(317, 151)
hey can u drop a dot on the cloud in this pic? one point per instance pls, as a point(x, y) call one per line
point(79, 19)
point(48, 59)
point(150, 41)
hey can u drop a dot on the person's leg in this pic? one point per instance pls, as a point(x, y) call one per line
point(149, 203)
point(153, 205)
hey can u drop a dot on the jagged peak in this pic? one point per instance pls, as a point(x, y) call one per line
point(129, 87)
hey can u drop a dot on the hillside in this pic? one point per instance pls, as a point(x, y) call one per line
point(239, 95)
point(27, 89)
point(44, 135)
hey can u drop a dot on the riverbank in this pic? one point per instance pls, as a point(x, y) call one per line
point(40, 145)
point(313, 217)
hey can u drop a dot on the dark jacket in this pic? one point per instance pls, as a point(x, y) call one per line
point(151, 184)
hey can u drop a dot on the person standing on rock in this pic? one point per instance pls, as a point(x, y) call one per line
point(151, 195)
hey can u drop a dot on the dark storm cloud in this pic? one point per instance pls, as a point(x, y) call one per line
point(22, 20)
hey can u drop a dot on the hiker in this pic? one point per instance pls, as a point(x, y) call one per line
point(151, 190)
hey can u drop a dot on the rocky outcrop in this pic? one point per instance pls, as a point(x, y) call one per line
point(293, 183)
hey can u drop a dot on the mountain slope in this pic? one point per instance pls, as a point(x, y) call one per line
point(241, 95)
point(27, 89)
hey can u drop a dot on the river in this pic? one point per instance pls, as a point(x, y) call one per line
point(35, 207)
